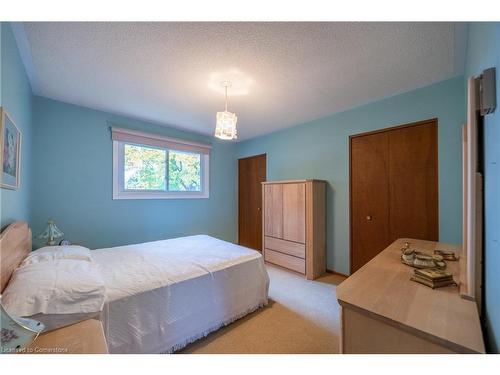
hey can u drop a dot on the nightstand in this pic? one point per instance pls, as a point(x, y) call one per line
point(86, 337)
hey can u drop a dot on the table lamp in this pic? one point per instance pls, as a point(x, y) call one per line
point(51, 233)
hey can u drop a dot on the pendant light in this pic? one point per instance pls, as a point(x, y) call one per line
point(225, 127)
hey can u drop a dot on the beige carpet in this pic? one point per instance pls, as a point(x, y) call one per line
point(302, 317)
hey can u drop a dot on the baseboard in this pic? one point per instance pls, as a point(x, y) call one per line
point(337, 273)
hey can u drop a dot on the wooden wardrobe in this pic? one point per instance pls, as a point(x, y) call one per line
point(294, 216)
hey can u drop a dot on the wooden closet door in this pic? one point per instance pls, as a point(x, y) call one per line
point(273, 210)
point(394, 188)
point(294, 212)
point(413, 178)
point(369, 197)
point(251, 174)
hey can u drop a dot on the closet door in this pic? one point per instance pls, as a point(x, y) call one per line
point(273, 210)
point(369, 197)
point(294, 212)
point(394, 188)
point(413, 179)
point(251, 174)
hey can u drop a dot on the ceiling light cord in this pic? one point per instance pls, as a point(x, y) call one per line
point(226, 84)
point(226, 97)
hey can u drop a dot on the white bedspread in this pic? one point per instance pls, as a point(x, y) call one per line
point(163, 295)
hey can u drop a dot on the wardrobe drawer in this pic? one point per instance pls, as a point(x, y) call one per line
point(284, 260)
point(287, 247)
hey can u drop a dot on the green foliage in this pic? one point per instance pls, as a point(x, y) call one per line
point(184, 171)
point(145, 169)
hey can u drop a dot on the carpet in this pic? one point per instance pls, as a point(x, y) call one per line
point(302, 317)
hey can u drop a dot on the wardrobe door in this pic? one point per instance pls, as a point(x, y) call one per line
point(369, 197)
point(273, 210)
point(294, 212)
point(413, 178)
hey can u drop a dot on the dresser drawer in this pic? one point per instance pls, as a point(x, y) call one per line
point(284, 260)
point(287, 247)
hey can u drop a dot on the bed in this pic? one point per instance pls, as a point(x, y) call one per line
point(162, 295)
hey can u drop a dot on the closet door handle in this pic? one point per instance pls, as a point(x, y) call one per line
point(369, 218)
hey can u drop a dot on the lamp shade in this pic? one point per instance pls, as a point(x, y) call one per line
point(51, 232)
point(225, 127)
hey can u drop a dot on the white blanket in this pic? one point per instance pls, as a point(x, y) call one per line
point(163, 295)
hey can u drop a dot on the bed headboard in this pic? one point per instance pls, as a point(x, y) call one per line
point(15, 245)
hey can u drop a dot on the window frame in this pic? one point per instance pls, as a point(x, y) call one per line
point(119, 191)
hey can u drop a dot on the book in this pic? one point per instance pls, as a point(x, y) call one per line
point(433, 274)
point(432, 284)
point(439, 281)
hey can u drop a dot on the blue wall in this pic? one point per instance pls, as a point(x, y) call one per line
point(16, 99)
point(72, 174)
point(483, 51)
point(320, 149)
point(1, 27)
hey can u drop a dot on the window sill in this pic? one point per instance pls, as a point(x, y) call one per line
point(158, 195)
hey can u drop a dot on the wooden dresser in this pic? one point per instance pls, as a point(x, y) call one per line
point(382, 311)
point(293, 218)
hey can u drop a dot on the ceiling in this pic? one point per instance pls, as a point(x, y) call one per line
point(282, 74)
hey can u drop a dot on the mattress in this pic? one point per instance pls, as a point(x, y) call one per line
point(166, 294)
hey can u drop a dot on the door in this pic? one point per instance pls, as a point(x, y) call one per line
point(413, 179)
point(294, 212)
point(251, 172)
point(273, 195)
point(394, 188)
point(369, 198)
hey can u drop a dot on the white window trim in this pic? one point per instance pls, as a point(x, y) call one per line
point(120, 193)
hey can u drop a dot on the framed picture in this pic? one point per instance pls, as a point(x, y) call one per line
point(10, 152)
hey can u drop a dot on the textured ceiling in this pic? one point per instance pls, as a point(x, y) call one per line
point(283, 74)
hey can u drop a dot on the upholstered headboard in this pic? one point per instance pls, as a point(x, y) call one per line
point(15, 245)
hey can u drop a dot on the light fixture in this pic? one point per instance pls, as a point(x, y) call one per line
point(51, 233)
point(225, 127)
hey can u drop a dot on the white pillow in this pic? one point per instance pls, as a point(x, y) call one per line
point(51, 253)
point(61, 286)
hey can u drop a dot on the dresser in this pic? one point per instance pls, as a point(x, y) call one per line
point(382, 311)
point(293, 217)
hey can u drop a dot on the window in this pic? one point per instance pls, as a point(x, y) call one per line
point(154, 167)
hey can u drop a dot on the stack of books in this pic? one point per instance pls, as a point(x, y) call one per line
point(433, 278)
